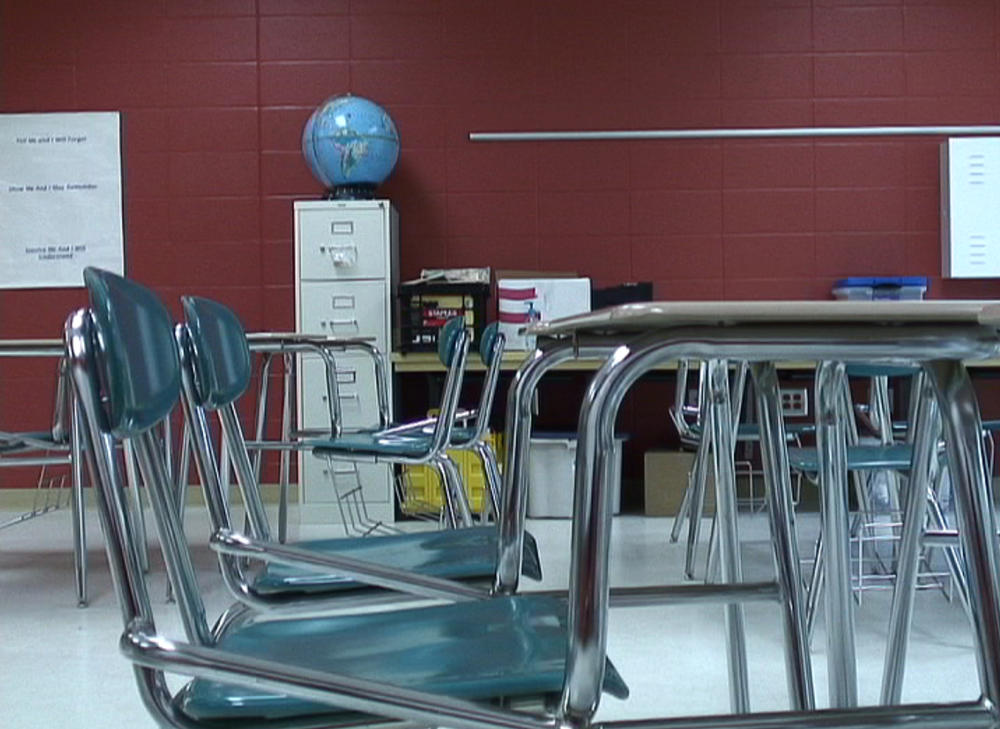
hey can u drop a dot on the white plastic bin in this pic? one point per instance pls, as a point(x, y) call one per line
point(551, 471)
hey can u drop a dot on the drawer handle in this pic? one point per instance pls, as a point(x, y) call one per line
point(348, 377)
point(343, 301)
point(341, 396)
point(339, 323)
point(344, 256)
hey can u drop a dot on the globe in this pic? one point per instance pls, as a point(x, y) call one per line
point(351, 146)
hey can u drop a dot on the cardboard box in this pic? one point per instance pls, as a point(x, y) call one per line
point(665, 480)
point(522, 301)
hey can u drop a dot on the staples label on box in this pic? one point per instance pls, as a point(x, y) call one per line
point(523, 301)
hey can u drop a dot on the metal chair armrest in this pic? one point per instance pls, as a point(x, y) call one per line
point(226, 541)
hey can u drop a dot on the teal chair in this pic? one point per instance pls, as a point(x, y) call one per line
point(471, 659)
point(216, 371)
point(473, 437)
point(890, 456)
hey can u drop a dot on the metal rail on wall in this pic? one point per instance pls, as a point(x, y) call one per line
point(637, 134)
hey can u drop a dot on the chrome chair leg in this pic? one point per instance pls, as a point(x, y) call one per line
point(132, 478)
point(457, 510)
point(697, 505)
point(956, 565)
point(286, 456)
point(682, 512)
point(79, 506)
point(493, 479)
point(815, 588)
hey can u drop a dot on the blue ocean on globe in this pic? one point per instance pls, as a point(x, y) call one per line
point(351, 146)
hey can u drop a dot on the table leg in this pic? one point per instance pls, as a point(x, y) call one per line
point(729, 540)
point(517, 439)
point(976, 519)
point(926, 431)
point(778, 491)
point(832, 449)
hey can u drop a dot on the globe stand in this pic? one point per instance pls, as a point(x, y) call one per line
point(359, 191)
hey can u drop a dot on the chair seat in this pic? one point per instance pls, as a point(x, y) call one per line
point(371, 443)
point(504, 646)
point(13, 442)
point(751, 431)
point(451, 554)
point(858, 457)
point(407, 444)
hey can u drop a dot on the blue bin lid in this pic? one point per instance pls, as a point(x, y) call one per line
point(881, 281)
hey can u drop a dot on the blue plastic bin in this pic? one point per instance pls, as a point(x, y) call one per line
point(890, 288)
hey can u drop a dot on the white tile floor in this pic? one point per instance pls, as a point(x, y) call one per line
point(59, 665)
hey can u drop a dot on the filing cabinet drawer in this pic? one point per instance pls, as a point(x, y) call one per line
point(341, 243)
point(317, 487)
point(356, 387)
point(345, 309)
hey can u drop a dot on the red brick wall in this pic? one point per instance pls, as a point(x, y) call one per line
point(215, 92)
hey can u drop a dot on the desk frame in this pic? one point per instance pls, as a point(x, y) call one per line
point(939, 348)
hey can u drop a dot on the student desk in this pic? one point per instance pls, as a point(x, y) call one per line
point(938, 335)
point(266, 344)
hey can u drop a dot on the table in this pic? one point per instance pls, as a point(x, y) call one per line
point(633, 338)
point(268, 344)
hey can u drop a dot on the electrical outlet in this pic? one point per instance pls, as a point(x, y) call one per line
point(794, 401)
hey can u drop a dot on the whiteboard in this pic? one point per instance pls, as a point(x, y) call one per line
point(60, 198)
point(970, 207)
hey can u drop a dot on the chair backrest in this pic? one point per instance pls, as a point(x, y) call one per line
point(222, 357)
point(138, 366)
point(126, 375)
point(448, 338)
point(216, 370)
point(453, 349)
point(491, 347)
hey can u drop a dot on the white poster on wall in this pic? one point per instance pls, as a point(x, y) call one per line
point(60, 198)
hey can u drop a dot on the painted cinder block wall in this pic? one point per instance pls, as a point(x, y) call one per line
point(215, 92)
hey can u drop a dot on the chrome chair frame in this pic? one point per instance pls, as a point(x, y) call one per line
point(61, 446)
point(197, 424)
point(457, 510)
point(291, 347)
point(200, 654)
point(476, 440)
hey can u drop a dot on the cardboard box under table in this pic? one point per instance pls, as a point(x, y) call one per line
point(665, 479)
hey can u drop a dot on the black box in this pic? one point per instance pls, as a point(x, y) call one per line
point(425, 307)
point(625, 293)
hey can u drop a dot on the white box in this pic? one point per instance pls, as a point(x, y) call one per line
point(551, 476)
point(525, 300)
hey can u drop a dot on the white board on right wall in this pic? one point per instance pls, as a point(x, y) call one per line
point(970, 207)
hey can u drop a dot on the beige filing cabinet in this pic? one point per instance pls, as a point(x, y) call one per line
point(346, 273)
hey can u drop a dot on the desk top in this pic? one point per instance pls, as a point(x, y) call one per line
point(56, 347)
point(669, 314)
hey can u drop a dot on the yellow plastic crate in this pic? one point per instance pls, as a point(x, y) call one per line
point(422, 491)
